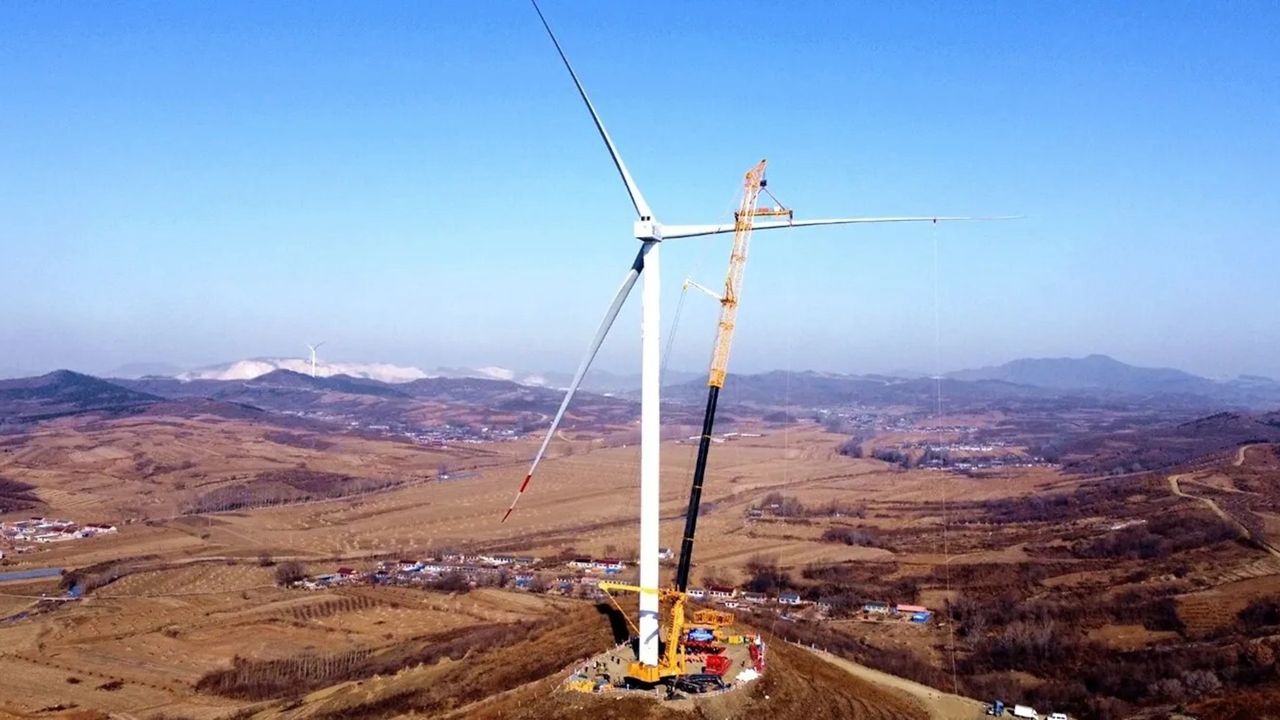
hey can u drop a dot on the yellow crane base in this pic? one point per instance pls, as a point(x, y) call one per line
point(653, 674)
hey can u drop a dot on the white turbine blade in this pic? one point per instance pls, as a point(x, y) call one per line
point(686, 231)
point(642, 207)
point(610, 315)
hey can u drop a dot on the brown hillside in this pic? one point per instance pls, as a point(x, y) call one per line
point(797, 686)
point(521, 681)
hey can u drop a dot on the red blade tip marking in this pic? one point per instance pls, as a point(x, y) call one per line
point(525, 484)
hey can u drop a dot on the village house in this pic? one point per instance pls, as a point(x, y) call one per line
point(790, 599)
point(720, 592)
point(755, 597)
point(498, 560)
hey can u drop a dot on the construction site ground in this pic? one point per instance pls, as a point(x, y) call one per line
point(614, 664)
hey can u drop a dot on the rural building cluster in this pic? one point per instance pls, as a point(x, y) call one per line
point(583, 577)
point(19, 535)
point(440, 435)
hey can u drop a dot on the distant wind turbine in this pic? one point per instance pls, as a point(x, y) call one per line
point(313, 356)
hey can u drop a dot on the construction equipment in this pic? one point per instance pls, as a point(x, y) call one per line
point(715, 618)
point(744, 220)
point(717, 664)
point(652, 234)
point(672, 663)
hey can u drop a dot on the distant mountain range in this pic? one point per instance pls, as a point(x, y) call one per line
point(1095, 375)
point(476, 407)
point(598, 381)
point(258, 367)
point(1096, 379)
point(493, 397)
point(1105, 375)
point(383, 372)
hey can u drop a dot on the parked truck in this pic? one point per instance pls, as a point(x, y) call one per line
point(1022, 711)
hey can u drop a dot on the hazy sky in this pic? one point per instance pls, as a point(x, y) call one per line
point(418, 183)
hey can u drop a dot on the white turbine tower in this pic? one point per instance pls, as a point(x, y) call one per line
point(651, 235)
point(313, 356)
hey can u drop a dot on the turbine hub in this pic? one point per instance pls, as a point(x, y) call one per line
point(648, 230)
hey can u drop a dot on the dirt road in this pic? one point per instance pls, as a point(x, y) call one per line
point(1240, 454)
point(1176, 487)
point(939, 705)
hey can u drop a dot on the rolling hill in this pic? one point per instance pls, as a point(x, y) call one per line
point(64, 392)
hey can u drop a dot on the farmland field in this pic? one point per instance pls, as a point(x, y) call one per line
point(184, 615)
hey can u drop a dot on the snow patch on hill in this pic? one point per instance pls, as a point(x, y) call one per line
point(256, 367)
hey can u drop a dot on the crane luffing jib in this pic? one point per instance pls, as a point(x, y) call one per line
point(690, 283)
point(752, 184)
point(744, 221)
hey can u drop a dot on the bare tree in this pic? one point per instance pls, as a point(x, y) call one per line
point(290, 572)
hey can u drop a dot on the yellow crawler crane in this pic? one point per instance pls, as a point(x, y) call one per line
point(671, 663)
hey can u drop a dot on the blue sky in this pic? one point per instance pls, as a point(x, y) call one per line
point(417, 182)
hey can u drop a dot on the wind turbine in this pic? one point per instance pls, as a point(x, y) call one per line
point(313, 356)
point(651, 235)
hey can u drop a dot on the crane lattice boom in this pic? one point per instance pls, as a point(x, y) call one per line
point(743, 222)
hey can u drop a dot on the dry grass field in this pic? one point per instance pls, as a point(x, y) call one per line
point(157, 633)
point(141, 475)
point(1008, 548)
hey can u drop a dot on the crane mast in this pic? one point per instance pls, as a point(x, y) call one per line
point(743, 220)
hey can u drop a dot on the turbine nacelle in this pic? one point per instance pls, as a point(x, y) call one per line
point(647, 230)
